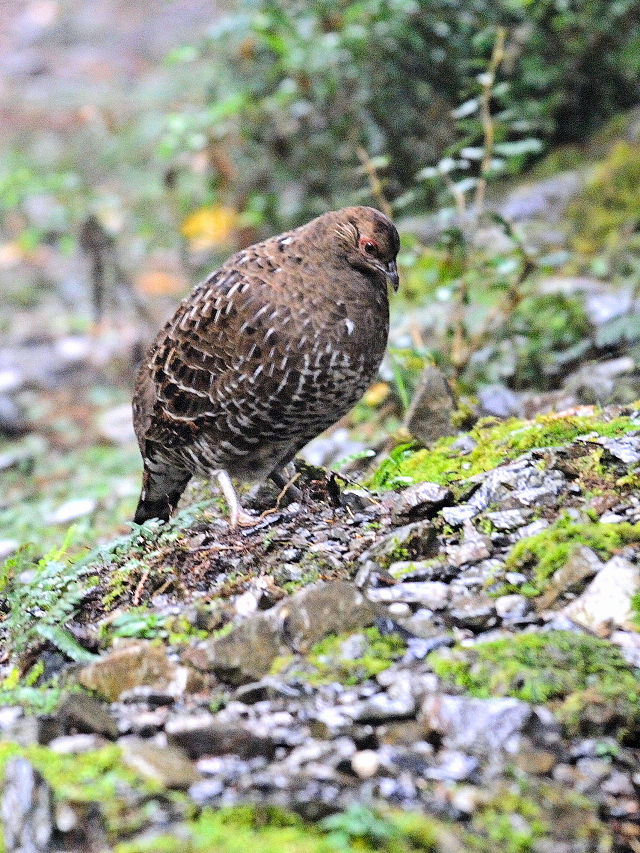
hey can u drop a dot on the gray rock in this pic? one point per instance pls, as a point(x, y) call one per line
point(433, 404)
point(412, 540)
point(82, 713)
point(510, 607)
point(606, 602)
point(479, 726)
point(476, 612)
point(26, 809)
point(629, 644)
point(200, 734)
point(8, 547)
point(296, 623)
point(508, 519)
point(418, 501)
point(12, 420)
point(499, 401)
point(604, 305)
point(132, 664)
point(581, 565)
point(431, 594)
point(166, 765)
point(69, 511)
point(471, 551)
point(533, 528)
point(464, 444)
point(382, 707)
point(76, 744)
point(626, 449)
point(452, 766)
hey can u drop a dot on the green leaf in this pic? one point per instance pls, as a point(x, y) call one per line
point(63, 641)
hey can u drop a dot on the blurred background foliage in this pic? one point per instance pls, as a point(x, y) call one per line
point(502, 136)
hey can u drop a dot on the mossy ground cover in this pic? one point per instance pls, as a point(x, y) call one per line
point(566, 670)
point(98, 776)
point(496, 442)
point(326, 661)
point(548, 551)
point(510, 819)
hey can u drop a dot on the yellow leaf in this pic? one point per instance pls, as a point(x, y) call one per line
point(158, 282)
point(209, 226)
point(377, 394)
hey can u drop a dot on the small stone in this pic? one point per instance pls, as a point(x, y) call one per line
point(452, 766)
point(26, 809)
point(533, 529)
point(200, 734)
point(476, 612)
point(611, 518)
point(412, 540)
point(431, 594)
point(166, 765)
point(499, 401)
point(365, 763)
point(75, 744)
point(457, 515)
point(69, 511)
point(536, 761)
point(432, 407)
point(464, 444)
point(132, 664)
point(606, 602)
point(399, 610)
point(629, 644)
point(353, 647)
point(471, 551)
point(481, 726)
point(382, 707)
point(508, 519)
point(8, 547)
point(511, 606)
point(582, 564)
point(422, 500)
point(82, 713)
point(116, 425)
point(246, 604)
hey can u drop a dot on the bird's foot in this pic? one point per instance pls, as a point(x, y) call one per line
point(238, 517)
point(242, 518)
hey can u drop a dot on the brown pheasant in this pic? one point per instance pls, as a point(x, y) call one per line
point(262, 356)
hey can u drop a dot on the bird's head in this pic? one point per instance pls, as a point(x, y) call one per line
point(369, 241)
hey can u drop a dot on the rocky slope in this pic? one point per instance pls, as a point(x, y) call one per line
point(448, 664)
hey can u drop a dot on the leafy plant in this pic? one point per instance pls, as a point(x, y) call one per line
point(40, 597)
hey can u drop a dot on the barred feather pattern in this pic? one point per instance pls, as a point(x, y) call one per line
point(262, 356)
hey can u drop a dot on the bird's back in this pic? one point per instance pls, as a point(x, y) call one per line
point(269, 351)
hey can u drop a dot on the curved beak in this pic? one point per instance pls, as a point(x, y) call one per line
point(392, 275)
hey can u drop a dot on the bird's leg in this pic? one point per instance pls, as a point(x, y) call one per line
point(237, 515)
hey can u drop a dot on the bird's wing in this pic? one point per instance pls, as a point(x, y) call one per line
point(227, 361)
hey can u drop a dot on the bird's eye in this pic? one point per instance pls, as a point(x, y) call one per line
point(369, 247)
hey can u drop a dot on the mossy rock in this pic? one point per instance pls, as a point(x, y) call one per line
point(496, 442)
point(609, 206)
point(548, 551)
point(326, 661)
point(584, 679)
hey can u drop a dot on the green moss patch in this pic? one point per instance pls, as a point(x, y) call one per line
point(610, 201)
point(497, 442)
point(548, 551)
point(571, 672)
point(326, 661)
point(92, 777)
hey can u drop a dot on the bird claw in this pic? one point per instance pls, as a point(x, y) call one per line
point(242, 518)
